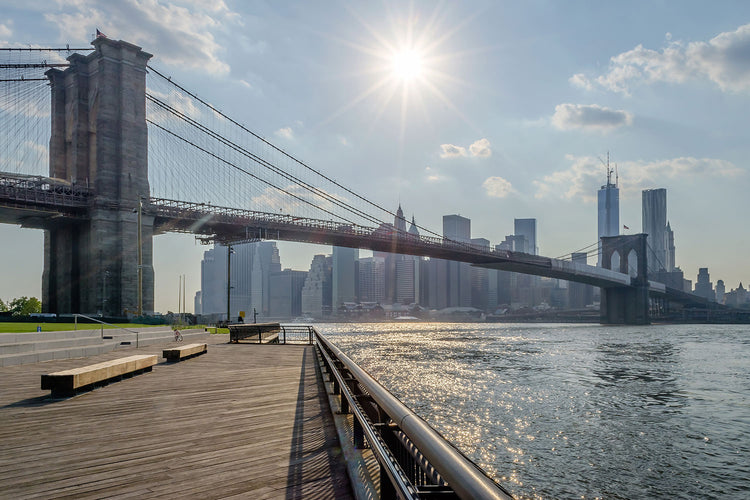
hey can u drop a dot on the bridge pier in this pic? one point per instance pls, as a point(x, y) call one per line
point(99, 139)
point(626, 305)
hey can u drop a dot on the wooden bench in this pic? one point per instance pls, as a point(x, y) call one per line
point(184, 352)
point(67, 382)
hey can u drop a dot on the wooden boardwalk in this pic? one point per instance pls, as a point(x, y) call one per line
point(242, 421)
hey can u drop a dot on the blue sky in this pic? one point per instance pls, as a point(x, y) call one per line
point(503, 110)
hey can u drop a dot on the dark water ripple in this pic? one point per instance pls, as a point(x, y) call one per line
point(577, 411)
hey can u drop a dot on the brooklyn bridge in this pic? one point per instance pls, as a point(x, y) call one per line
point(132, 154)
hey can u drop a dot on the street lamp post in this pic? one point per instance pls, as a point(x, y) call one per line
point(140, 258)
point(229, 277)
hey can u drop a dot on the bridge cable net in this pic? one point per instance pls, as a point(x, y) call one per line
point(25, 109)
point(198, 153)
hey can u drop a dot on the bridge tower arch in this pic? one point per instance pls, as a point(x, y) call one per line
point(626, 305)
point(99, 139)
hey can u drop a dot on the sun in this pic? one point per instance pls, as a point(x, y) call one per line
point(407, 65)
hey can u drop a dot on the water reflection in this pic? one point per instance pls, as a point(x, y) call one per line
point(642, 373)
point(563, 411)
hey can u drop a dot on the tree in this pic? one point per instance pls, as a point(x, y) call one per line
point(3, 307)
point(23, 306)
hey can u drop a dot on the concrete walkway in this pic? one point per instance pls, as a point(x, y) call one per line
point(242, 421)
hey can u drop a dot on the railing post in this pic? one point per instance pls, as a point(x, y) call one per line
point(359, 434)
point(75, 322)
point(345, 404)
point(386, 487)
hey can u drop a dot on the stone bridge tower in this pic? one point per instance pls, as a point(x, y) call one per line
point(626, 305)
point(99, 139)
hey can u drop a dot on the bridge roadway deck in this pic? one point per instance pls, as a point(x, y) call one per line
point(242, 421)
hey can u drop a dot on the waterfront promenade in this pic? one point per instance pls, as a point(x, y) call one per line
point(242, 421)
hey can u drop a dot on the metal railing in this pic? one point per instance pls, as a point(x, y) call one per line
point(102, 323)
point(415, 460)
point(296, 334)
point(271, 333)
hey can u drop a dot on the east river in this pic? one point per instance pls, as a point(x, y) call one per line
point(576, 411)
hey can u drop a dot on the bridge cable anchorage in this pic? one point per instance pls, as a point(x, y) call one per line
point(300, 162)
point(246, 172)
point(315, 190)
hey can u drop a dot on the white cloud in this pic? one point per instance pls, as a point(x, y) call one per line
point(451, 151)
point(5, 30)
point(497, 187)
point(580, 80)
point(180, 33)
point(285, 132)
point(479, 148)
point(25, 107)
point(723, 60)
point(433, 175)
point(589, 117)
point(586, 175)
point(279, 200)
point(178, 100)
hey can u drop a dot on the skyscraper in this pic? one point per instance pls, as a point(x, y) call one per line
point(252, 264)
point(408, 273)
point(343, 276)
point(579, 294)
point(703, 286)
point(285, 293)
point(457, 281)
point(372, 279)
point(316, 292)
point(669, 234)
point(527, 229)
point(654, 224)
point(480, 279)
point(457, 228)
point(398, 221)
point(608, 212)
point(214, 281)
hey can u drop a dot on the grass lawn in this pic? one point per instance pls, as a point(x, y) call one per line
point(10, 327)
point(7, 327)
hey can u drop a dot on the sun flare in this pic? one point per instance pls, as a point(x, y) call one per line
point(410, 65)
point(407, 64)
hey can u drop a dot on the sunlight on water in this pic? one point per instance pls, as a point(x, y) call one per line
point(576, 411)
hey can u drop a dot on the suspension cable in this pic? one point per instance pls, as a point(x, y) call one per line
point(300, 162)
point(270, 184)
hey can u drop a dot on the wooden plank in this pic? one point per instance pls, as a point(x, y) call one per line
point(178, 353)
point(248, 421)
point(74, 378)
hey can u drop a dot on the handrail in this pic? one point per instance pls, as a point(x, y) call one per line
point(75, 327)
point(383, 456)
point(466, 479)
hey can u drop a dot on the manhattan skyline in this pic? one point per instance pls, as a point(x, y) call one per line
point(491, 110)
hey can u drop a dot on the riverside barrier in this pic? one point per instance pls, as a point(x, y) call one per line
point(415, 460)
